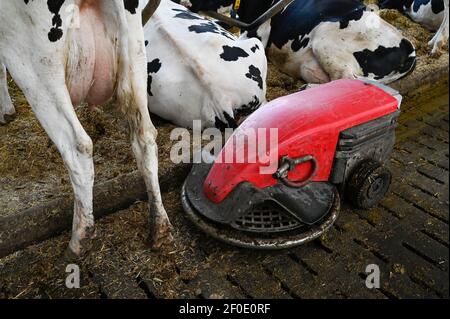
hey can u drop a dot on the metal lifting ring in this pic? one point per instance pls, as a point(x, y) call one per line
point(289, 164)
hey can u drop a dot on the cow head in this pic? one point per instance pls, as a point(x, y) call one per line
point(395, 4)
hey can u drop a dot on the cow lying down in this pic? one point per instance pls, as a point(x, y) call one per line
point(433, 14)
point(199, 71)
point(323, 40)
point(59, 65)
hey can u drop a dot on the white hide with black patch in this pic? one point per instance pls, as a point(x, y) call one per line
point(433, 14)
point(323, 40)
point(355, 51)
point(429, 13)
point(341, 42)
point(199, 71)
point(59, 65)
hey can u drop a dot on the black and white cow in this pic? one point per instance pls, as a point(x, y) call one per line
point(199, 71)
point(65, 52)
point(433, 14)
point(323, 40)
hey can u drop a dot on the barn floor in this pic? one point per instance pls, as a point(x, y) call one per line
point(407, 236)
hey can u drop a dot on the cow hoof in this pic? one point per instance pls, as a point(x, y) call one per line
point(8, 118)
point(83, 247)
point(86, 245)
point(159, 241)
point(437, 46)
point(436, 53)
point(160, 235)
point(70, 256)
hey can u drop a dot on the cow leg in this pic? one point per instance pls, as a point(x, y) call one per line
point(336, 64)
point(57, 116)
point(440, 39)
point(49, 98)
point(143, 140)
point(311, 71)
point(333, 57)
point(7, 111)
point(133, 100)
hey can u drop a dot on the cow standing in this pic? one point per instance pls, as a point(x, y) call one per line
point(433, 14)
point(63, 53)
point(199, 71)
point(323, 40)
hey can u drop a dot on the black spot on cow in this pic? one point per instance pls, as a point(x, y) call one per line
point(247, 109)
point(437, 6)
point(229, 122)
point(254, 34)
point(233, 53)
point(238, 113)
point(255, 48)
point(146, 42)
point(131, 5)
point(353, 15)
point(54, 6)
point(383, 61)
point(56, 31)
point(255, 74)
point(300, 43)
point(153, 67)
point(185, 14)
point(210, 27)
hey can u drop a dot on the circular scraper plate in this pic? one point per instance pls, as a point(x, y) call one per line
point(261, 241)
